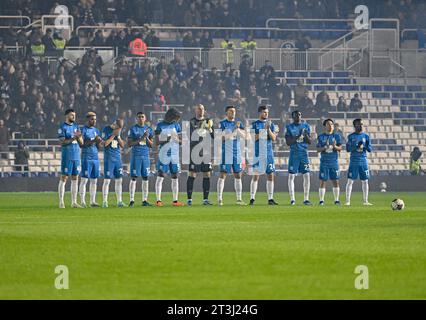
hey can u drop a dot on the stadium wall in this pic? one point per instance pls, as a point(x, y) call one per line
point(394, 184)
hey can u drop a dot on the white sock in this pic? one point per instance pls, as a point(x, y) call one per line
point(145, 185)
point(132, 189)
point(74, 191)
point(238, 185)
point(158, 187)
point(349, 190)
point(92, 190)
point(306, 185)
point(253, 189)
point(336, 193)
point(321, 194)
point(365, 190)
point(291, 178)
point(105, 190)
point(61, 191)
point(270, 189)
point(220, 186)
point(175, 189)
point(119, 189)
point(83, 183)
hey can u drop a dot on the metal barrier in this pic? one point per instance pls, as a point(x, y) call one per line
point(26, 18)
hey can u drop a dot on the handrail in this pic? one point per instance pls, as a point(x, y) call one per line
point(16, 17)
point(306, 20)
point(48, 16)
point(175, 28)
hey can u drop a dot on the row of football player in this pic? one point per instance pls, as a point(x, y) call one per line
point(80, 155)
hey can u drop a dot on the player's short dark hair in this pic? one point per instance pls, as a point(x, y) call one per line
point(356, 121)
point(261, 108)
point(229, 107)
point(69, 111)
point(139, 113)
point(294, 112)
point(326, 120)
point(172, 115)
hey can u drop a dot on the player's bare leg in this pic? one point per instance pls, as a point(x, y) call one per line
point(61, 191)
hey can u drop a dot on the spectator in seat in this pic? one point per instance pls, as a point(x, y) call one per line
point(341, 105)
point(206, 41)
point(306, 105)
point(415, 156)
point(94, 86)
point(239, 103)
point(339, 131)
point(356, 103)
point(278, 105)
point(322, 104)
point(286, 90)
point(158, 100)
point(22, 154)
point(4, 139)
point(299, 92)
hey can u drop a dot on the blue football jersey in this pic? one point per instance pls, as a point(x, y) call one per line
point(358, 144)
point(294, 130)
point(259, 125)
point(89, 134)
point(135, 133)
point(113, 150)
point(329, 157)
point(70, 151)
point(230, 126)
point(165, 130)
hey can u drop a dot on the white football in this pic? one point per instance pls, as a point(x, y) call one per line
point(398, 204)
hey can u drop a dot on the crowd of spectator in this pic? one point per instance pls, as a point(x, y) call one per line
point(33, 97)
point(220, 13)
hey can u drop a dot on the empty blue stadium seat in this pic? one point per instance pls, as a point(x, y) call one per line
point(316, 81)
point(371, 88)
point(414, 88)
point(348, 88)
point(326, 88)
point(394, 88)
point(340, 74)
point(415, 102)
point(381, 95)
point(320, 74)
point(340, 81)
point(297, 74)
point(402, 95)
point(421, 95)
point(404, 115)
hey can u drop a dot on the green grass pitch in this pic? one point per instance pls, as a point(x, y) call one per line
point(227, 252)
